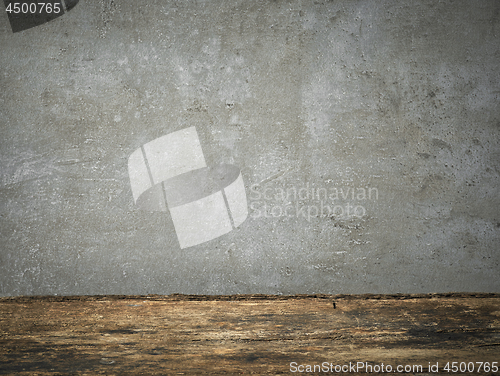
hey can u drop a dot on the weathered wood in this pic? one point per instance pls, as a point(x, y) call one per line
point(177, 334)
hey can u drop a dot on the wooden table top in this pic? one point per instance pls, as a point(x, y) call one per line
point(243, 334)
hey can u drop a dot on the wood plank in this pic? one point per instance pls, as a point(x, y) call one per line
point(178, 334)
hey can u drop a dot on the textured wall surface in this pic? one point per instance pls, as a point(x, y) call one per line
point(367, 135)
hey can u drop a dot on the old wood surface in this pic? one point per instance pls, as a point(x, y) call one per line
point(176, 334)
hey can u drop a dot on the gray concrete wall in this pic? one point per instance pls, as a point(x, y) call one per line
point(395, 101)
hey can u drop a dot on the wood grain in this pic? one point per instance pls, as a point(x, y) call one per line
point(179, 334)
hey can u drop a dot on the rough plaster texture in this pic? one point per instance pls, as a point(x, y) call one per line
point(342, 96)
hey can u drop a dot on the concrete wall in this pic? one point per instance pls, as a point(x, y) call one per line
point(395, 101)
